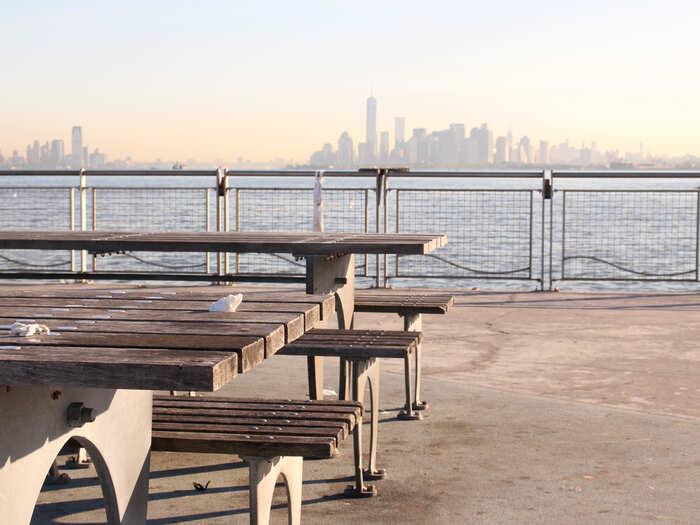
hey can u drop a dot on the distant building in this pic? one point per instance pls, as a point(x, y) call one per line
point(363, 155)
point(76, 148)
point(57, 154)
point(484, 145)
point(509, 146)
point(371, 135)
point(543, 157)
point(324, 158)
point(399, 131)
point(500, 156)
point(525, 150)
point(345, 155)
point(384, 146)
point(97, 159)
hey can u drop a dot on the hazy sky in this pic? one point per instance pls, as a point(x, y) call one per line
point(219, 80)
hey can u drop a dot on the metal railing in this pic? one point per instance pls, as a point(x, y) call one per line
point(636, 234)
point(525, 226)
point(494, 232)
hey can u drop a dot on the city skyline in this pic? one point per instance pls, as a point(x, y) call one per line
point(480, 147)
point(451, 148)
point(175, 80)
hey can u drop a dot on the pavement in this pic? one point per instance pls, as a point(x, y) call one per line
point(545, 408)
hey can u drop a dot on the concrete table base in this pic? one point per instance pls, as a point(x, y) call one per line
point(35, 428)
point(264, 473)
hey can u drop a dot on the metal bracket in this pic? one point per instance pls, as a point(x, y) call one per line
point(546, 188)
point(77, 415)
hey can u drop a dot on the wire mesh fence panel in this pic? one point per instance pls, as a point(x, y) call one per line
point(490, 233)
point(35, 209)
point(627, 235)
point(152, 209)
point(292, 209)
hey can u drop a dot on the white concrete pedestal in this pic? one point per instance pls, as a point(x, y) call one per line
point(34, 428)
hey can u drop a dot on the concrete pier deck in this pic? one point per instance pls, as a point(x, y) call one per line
point(545, 408)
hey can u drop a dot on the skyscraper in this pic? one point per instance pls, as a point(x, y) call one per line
point(345, 151)
point(500, 155)
point(399, 131)
point(384, 146)
point(371, 139)
point(76, 151)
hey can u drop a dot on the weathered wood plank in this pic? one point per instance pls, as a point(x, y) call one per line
point(150, 369)
point(243, 444)
point(273, 335)
point(354, 344)
point(311, 312)
point(401, 303)
point(293, 324)
point(255, 299)
point(239, 242)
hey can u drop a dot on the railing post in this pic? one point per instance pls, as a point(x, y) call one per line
point(83, 216)
point(378, 204)
point(697, 236)
point(238, 226)
point(386, 221)
point(366, 228)
point(563, 233)
point(207, 224)
point(227, 256)
point(529, 264)
point(94, 224)
point(398, 224)
point(71, 216)
point(546, 195)
point(551, 227)
point(220, 177)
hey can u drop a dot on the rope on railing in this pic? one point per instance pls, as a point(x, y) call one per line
point(467, 268)
point(622, 268)
point(303, 265)
point(24, 263)
point(163, 265)
point(287, 259)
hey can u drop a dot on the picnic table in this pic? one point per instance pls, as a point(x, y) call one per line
point(92, 378)
point(330, 257)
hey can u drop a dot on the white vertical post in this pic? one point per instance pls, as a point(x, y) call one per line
point(83, 216)
point(224, 189)
point(318, 201)
point(71, 215)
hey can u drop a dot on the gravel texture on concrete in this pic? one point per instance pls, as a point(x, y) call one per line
point(545, 408)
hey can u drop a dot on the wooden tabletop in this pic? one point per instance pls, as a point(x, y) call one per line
point(239, 242)
point(155, 338)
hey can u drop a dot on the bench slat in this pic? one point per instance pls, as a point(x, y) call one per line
point(252, 445)
point(401, 302)
point(252, 427)
point(354, 344)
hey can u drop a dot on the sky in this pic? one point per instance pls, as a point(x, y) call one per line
point(221, 80)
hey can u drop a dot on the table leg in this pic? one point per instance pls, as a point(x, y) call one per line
point(34, 429)
point(330, 274)
point(414, 323)
point(364, 371)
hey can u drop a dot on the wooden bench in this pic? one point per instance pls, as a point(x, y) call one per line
point(411, 307)
point(361, 349)
point(271, 435)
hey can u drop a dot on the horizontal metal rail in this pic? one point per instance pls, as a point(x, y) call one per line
point(619, 174)
point(108, 173)
point(156, 276)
